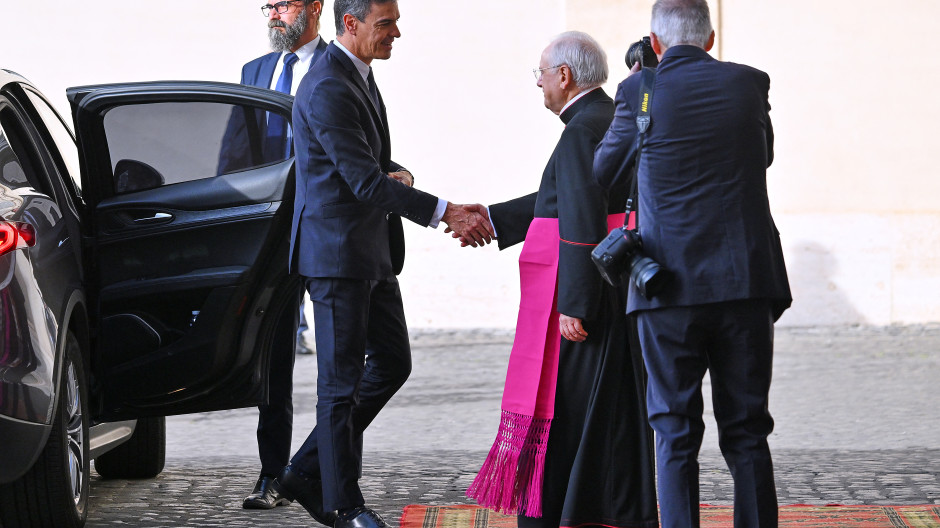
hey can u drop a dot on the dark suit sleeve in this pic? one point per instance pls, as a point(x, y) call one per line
point(511, 219)
point(582, 223)
point(337, 125)
point(615, 154)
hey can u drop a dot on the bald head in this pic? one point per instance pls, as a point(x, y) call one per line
point(682, 22)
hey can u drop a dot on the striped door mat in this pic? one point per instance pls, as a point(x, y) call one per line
point(798, 515)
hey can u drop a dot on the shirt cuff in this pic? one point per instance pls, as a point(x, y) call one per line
point(438, 213)
point(492, 224)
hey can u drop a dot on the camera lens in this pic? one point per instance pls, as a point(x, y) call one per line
point(641, 52)
point(634, 54)
point(649, 277)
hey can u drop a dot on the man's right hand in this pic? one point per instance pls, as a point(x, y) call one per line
point(470, 222)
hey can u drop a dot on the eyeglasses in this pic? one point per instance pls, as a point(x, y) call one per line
point(280, 7)
point(538, 71)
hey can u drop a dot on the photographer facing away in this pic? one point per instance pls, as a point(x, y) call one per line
point(703, 214)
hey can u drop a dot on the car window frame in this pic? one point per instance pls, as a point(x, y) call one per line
point(34, 158)
point(65, 193)
point(73, 179)
point(91, 103)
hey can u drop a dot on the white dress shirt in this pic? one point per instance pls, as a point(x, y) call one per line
point(299, 68)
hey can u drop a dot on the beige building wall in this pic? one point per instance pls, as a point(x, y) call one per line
point(853, 186)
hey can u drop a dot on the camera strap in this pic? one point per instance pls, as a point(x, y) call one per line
point(642, 125)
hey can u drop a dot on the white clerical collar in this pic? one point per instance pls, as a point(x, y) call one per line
point(580, 95)
point(361, 66)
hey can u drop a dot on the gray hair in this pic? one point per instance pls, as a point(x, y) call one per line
point(292, 32)
point(583, 55)
point(357, 8)
point(678, 22)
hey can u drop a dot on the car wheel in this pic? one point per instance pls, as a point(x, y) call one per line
point(54, 492)
point(141, 456)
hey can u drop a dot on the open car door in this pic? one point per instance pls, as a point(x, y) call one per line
point(187, 223)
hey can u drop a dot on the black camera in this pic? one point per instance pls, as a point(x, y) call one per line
point(620, 253)
point(641, 51)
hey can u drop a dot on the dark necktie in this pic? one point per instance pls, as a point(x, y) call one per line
point(373, 89)
point(277, 142)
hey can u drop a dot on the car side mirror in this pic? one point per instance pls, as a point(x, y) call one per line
point(132, 175)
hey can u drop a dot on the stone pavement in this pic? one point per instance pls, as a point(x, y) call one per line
point(857, 412)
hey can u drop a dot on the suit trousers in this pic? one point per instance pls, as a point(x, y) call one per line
point(276, 417)
point(734, 341)
point(363, 358)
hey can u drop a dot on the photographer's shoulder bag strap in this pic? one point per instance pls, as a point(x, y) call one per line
point(642, 125)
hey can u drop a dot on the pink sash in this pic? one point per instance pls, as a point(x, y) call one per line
point(510, 480)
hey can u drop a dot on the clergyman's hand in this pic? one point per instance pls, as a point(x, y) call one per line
point(468, 222)
point(571, 328)
point(404, 177)
point(464, 241)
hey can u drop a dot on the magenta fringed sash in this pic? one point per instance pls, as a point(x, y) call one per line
point(510, 480)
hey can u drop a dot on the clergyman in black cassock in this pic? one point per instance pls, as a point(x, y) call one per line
point(599, 467)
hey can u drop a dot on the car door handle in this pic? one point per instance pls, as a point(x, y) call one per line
point(157, 218)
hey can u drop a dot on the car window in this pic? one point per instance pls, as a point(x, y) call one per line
point(165, 143)
point(21, 167)
point(62, 136)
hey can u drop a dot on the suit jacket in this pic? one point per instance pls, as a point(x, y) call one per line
point(703, 211)
point(260, 71)
point(242, 143)
point(346, 210)
point(569, 193)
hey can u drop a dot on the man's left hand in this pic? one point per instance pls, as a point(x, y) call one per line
point(404, 177)
point(572, 328)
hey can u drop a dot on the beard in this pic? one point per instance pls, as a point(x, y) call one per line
point(285, 40)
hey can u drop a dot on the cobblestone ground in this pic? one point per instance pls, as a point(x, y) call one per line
point(856, 409)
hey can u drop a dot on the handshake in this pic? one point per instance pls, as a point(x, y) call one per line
point(468, 222)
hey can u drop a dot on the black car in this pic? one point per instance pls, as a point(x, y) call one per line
point(143, 262)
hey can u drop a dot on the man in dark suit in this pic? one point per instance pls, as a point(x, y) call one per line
point(704, 215)
point(293, 30)
point(347, 240)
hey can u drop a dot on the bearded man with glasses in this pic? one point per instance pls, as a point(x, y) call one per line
point(293, 30)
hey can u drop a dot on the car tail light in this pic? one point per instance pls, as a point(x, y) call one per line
point(16, 235)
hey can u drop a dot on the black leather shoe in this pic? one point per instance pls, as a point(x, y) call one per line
point(360, 517)
point(307, 491)
point(264, 496)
